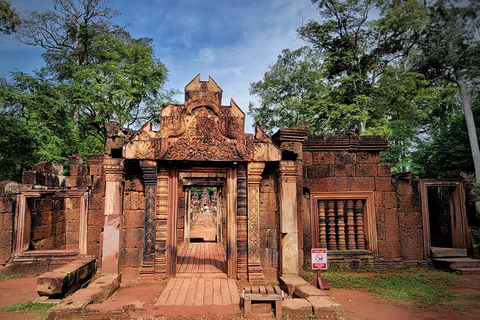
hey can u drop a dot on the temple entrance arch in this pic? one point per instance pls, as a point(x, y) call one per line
point(201, 144)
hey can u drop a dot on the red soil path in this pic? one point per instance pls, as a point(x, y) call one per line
point(358, 304)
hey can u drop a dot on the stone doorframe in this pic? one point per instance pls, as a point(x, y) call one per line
point(22, 224)
point(457, 212)
point(161, 183)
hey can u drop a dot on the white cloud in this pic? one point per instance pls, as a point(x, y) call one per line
point(206, 55)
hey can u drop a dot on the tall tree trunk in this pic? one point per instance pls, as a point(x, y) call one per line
point(472, 130)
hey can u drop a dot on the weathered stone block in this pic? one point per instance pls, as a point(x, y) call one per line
point(307, 158)
point(336, 184)
point(365, 170)
point(361, 183)
point(298, 308)
point(96, 201)
point(131, 257)
point(7, 205)
point(268, 201)
point(368, 157)
point(133, 218)
point(78, 170)
point(390, 200)
point(412, 244)
point(320, 157)
point(343, 170)
point(6, 221)
point(268, 220)
point(383, 184)
point(288, 283)
point(406, 204)
point(384, 170)
point(316, 185)
point(345, 158)
point(305, 291)
point(409, 220)
point(403, 187)
point(319, 171)
point(326, 308)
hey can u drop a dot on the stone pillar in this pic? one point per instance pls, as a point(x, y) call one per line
point(288, 218)
point(254, 172)
point(114, 178)
point(149, 169)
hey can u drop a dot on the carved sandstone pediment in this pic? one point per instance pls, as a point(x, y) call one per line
point(201, 130)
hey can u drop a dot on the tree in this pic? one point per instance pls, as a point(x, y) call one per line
point(36, 125)
point(9, 19)
point(356, 49)
point(102, 71)
point(287, 91)
point(451, 54)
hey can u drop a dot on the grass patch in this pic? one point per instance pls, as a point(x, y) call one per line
point(10, 276)
point(29, 307)
point(422, 287)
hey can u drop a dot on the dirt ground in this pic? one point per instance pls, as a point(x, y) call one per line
point(358, 304)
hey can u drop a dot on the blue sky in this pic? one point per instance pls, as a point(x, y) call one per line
point(234, 41)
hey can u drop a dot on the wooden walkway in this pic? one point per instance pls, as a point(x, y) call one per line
point(198, 257)
point(201, 285)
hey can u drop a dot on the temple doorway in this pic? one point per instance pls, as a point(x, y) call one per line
point(202, 223)
point(444, 217)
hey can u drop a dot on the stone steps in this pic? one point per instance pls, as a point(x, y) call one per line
point(448, 252)
point(455, 259)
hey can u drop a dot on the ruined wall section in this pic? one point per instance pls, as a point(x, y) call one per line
point(269, 222)
point(8, 190)
point(131, 255)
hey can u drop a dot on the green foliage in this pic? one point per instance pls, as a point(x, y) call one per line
point(30, 307)
point(10, 276)
point(9, 19)
point(38, 125)
point(424, 288)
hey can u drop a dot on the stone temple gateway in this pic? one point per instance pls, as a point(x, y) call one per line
point(269, 200)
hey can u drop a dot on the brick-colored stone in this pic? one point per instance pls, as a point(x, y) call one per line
point(383, 184)
point(345, 157)
point(368, 157)
point(403, 187)
point(342, 170)
point(269, 201)
point(319, 171)
point(336, 184)
point(133, 218)
point(361, 183)
point(316, 185)
point(365, 170)
point(297, 308)
point(323, 158)
point(326, 308)
point(410, 220)
point(384, 170)
point(305, 291)
point(307, 158)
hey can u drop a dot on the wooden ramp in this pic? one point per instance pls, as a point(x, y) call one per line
point(201, 257)
point(199, 294)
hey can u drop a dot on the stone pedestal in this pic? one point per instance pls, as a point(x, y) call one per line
point(288, 218)
point(113, 215)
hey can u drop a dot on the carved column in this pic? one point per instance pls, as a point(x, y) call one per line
point(232, 263)
point(161, 214)
point(255, 270)
point(114, 178)
point(149, 169)
point(288, 218)
point(242, 244)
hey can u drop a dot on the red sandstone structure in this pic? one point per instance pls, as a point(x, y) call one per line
point(272, 200)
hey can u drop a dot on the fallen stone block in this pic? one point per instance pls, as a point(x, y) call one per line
point(288, 283)
point(326, 307)
point(76, 304)
point(297, 308)
point(305, 291)
point(66, 279)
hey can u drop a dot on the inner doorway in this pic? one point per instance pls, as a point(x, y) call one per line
point(201, 227)
point(444, 216)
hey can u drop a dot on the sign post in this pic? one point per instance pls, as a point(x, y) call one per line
point(319, 262)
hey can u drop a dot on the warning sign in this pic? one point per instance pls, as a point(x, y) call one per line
point(319, 259)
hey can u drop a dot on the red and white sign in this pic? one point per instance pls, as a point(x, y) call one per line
point(319, 259)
